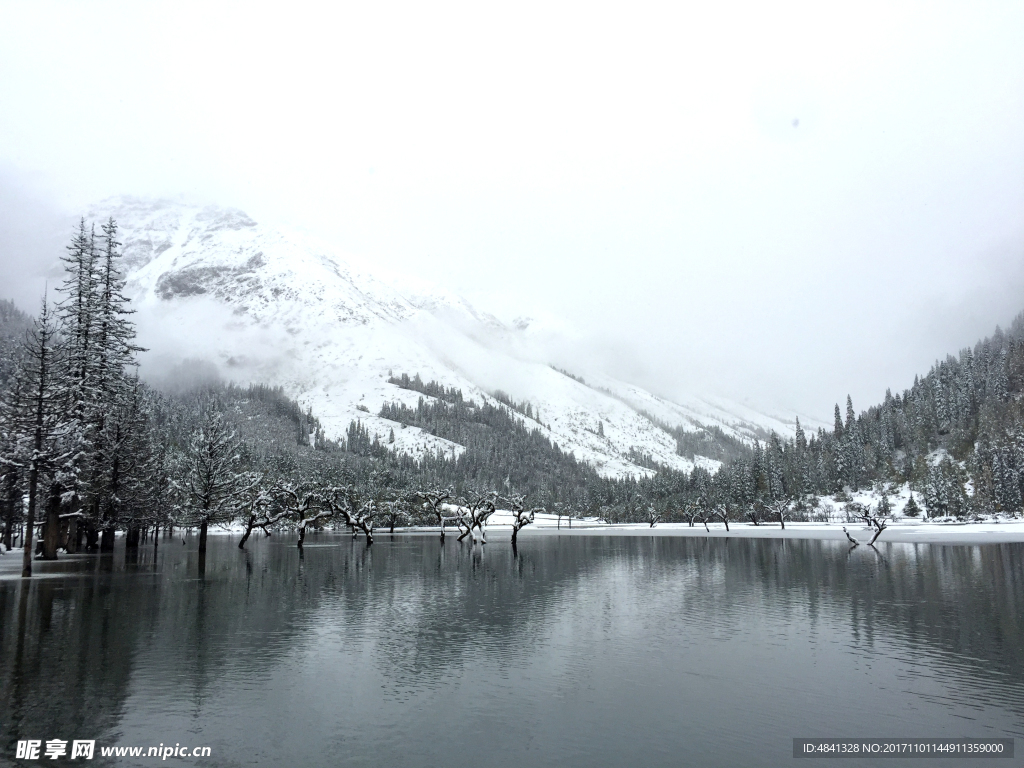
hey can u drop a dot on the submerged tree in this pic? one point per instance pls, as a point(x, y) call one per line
point(437, 498)
point(521, 517)
point(356, 510)
point(474, 510)
point(395, 511)
point(212, 488)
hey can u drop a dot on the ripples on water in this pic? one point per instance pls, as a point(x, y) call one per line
point(589, 651)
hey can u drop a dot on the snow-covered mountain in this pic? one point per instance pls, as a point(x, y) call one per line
point(269, 305)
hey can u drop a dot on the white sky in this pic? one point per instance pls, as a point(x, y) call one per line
point(637, 168)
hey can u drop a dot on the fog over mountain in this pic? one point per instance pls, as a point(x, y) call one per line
point(264, 305)
point(782, 204)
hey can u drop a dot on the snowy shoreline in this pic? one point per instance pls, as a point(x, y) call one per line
point(920, 533)
point(901, 532)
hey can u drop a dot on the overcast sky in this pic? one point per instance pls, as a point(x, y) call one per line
point(789, 201)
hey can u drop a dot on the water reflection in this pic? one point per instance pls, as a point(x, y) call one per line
point(595, 651)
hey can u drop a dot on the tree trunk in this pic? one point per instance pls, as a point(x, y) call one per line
point(202, 547)
point(107, 539)
point(248, 531)
point(131, 553)
point(8, 530)
point(10, 492)
point(302, 535)
point(30, 516)
point(71, 547)
point(30, 521)
point(92, 538)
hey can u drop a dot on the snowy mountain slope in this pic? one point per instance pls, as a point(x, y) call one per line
point(734, 419)
point(275, 306)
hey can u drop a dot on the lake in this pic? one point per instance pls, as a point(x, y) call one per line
point(581, 651)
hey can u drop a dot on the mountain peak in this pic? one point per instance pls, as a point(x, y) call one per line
point(267, 305)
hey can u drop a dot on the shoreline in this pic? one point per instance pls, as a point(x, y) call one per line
point(921, 533)
point(943, 533)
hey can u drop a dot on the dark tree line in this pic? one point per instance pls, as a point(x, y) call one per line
point(956, 436)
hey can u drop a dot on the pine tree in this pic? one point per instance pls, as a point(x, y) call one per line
point(35, 412)
point(800, 438)
point(911, 509)
point(101, 387)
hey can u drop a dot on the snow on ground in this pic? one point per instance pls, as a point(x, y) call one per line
point(692, 412)
point(991, 532)
point(906, 530)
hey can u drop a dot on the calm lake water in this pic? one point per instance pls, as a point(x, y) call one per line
point(583, 651)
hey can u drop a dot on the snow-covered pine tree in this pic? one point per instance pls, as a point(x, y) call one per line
point(114, 354)
point(800, 438)
point(912, 509)
point(77, 313)
point(35, 413)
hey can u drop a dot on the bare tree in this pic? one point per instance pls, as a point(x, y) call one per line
point(303, 506)
point(879, 527)
point(473, 513)
point(721, 511)
point(705, 517)
point(256, 500)
point(653, 515)
point(356, 511)
point(781, 508)
point(394, 512)
point(436, 498)
point(521, 517)
point(859, 512)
